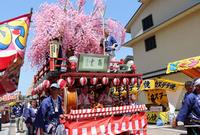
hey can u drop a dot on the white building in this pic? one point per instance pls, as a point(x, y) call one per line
point(164, 31)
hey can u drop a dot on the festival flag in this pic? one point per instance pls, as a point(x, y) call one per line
point(13, 37)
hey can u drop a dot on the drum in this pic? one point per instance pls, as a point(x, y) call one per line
point(70, 99)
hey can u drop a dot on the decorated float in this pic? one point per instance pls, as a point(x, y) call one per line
point(66, 49)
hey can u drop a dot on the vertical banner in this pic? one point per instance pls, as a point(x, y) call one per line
point(13, 37)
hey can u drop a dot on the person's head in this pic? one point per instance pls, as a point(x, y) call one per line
point(133, 98)
point(197, 86)
point(34, 103)
point(54, 90)
point(85, 89)
point(189, 86)
point(106, 32)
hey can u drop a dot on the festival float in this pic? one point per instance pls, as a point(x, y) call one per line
point(67, 49)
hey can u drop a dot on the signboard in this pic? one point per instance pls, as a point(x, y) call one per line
point(161, 84)
point(89, 62)
point(157, 97)
point(185, 64)
point(153, 116)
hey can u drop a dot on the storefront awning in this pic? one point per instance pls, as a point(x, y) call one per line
point(190, 67)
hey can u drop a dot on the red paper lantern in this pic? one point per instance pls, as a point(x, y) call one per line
point(140, 81)
point(34, 91)
point(70, 81)
point(125, 81)
point(116, 81)
point(105, 80)
point(40, 88)
point(94, 81)
point(133, 81)
point(46, 84)
point(83, 81)
point(62, 83)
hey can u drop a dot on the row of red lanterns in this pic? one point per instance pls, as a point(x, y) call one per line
point(83, 81)
point(44, 85)
point(93, 81)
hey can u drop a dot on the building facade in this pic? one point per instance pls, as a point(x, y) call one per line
point(164, 31)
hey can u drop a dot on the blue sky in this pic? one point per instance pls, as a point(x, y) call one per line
point(120, 10)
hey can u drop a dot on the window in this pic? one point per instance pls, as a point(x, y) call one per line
point(147, 22)
point(150, 43)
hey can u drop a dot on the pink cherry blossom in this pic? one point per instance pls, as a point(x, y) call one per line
point(80, 32)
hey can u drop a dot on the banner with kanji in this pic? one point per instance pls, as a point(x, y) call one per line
point(163, 84)
point(135, 123)
point(13, 37)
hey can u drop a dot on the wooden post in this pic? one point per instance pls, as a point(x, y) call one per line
point(65, 99)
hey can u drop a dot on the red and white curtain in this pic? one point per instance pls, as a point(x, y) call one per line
point(135, 123)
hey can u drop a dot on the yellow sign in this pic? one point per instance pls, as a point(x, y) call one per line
point(161, 84)
point(153, 116)
point(184, 64)
point(157, 96)
point(147, 84)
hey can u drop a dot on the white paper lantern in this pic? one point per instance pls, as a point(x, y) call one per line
point(94, 80)
point(83, 81)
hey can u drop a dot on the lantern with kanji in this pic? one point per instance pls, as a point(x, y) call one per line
point(125, 81)
point(105, 80)
point(62, 83)
point(94, 80)
point(83, 81)
point(116, 81)
point(70, 81)
point(46, 84)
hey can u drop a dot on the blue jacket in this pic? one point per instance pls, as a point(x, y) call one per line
point(17, 110)
point(110, 40)
point(29, 115)
point(47, 113)
point(190, 110)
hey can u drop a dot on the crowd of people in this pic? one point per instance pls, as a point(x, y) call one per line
point(43, 119)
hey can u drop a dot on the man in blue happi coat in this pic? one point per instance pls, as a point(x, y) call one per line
point(17, 110)
point(190, 111)
point(47, 118)
point(109, 43)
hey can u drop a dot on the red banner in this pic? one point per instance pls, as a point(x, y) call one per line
point(136, 124)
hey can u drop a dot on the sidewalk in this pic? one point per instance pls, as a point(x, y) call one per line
point(165, 130)
point(5, 129)
point(10, 129)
